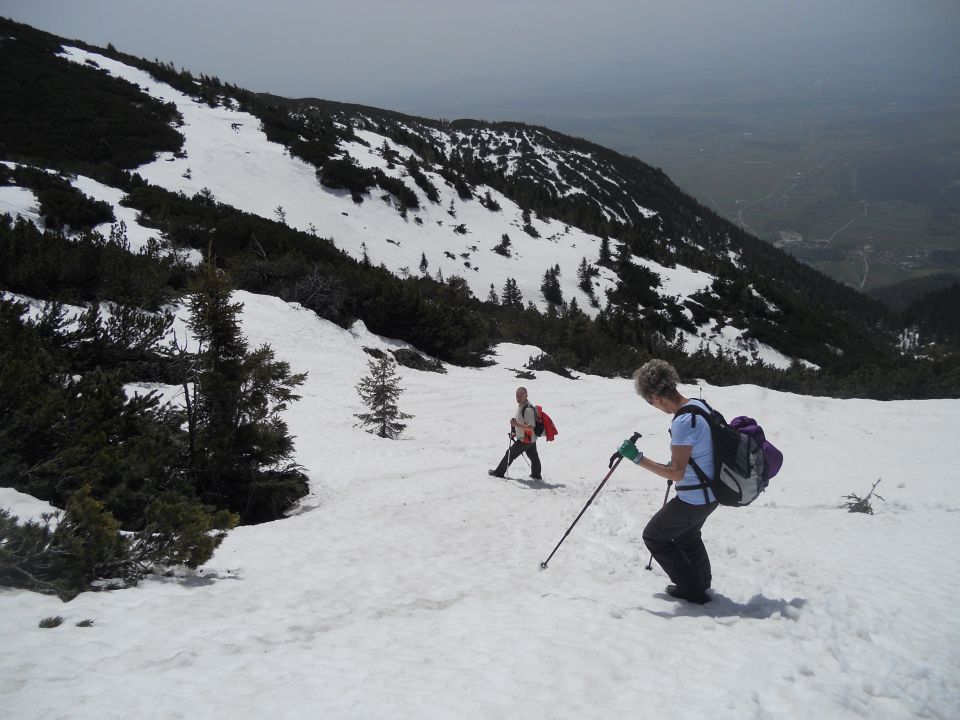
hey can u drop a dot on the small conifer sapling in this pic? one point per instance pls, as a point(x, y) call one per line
point(380, 391)
point(855, 503)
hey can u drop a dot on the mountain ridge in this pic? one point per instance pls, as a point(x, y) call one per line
point(641, 238)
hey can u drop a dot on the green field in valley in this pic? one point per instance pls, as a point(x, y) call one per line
point(870, 201)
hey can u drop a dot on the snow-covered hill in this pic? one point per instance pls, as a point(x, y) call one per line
point(227, 154)
point(409, 586)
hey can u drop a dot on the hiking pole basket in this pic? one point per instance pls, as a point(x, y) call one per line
point(613, 466)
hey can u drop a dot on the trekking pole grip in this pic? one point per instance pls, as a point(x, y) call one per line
point(617, 457)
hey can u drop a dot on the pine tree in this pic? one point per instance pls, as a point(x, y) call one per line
point(585, 273)
point(528, 225)
point(492, 296)
point(551, 286)
point(512, 297)
point(423, 264)
point(606, 257)
point(380, 391)
point(240, 451)
point(490, 203)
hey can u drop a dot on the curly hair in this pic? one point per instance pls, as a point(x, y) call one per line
point(656, 378)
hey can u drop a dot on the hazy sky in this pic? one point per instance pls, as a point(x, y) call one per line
point(390, 53)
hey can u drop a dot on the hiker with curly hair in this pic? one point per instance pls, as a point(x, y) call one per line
point(673, 533)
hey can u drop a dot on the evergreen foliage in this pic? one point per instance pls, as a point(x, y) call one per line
point(937, 314)
point(489, 202)
point(345, 174)
point(62, 206)
point(528, 227)
point(67, 553)
point(503, 247)
point(71, 435)
point(605, 258)
point(55, 110)
point(311, 136)
point(902, 294)
point(550, 287)
point(440, 318)
point(407, 197)
point(422, 181)
point(380, 391)
point(86, 268)
point(585, 274)
point(309, 130)
point(547, 363)
point(771, 296)
point(239, 449)
point(413, 359)
point(61, 430)
point(512, 297)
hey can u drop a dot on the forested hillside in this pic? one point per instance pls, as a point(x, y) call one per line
point(76, 119)
point(135, 188)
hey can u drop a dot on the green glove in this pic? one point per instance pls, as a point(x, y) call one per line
point(630, 452)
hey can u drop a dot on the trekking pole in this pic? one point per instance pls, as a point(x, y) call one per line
point(665, 496)
point(506, 455)
point(613, 466)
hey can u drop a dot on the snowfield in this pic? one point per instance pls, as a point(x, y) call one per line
point(226, 153)
point(408, 585)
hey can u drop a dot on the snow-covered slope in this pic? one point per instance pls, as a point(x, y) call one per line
point(409, 585)
point(227, 153)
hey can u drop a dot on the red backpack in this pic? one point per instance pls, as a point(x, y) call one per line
point(544, 424)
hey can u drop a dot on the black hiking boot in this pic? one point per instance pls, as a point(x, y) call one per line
point(494, 473)
point(698, 599)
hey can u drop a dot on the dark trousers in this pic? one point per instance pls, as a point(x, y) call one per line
point(673, 537)
point(516, 450)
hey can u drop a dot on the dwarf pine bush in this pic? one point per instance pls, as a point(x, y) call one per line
point(855, 503)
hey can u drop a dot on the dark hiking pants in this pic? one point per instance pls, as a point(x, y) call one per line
point(516, 450)
point(673, 537)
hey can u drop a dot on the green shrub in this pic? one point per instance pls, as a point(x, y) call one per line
point(61, 556)
point(344, 174)
point(60, 111)
point(82, 548)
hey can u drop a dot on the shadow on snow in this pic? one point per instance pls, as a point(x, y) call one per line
point(758, 607)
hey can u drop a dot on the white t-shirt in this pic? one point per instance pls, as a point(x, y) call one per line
point(527, 415)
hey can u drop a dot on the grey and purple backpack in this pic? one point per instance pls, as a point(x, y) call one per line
point(743, 459)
